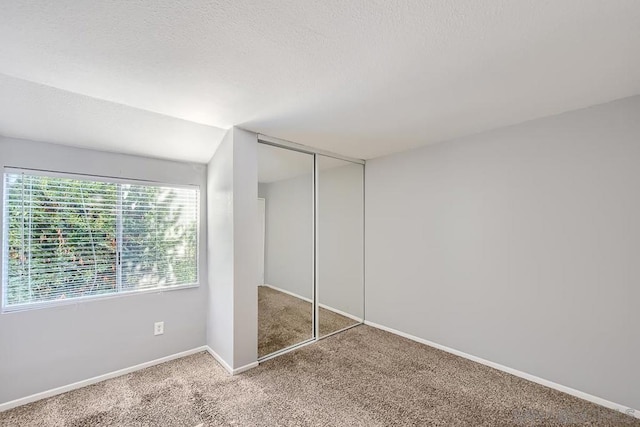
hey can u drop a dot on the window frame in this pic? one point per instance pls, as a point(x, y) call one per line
point(4, 262)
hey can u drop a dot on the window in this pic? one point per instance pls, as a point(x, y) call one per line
point(70, 237)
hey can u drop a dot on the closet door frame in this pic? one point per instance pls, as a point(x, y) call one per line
point(281, 143)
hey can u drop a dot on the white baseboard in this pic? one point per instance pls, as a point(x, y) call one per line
point(227, 367)
point(63, 389)
point(245, 368)
point(577, 393)
point(326, 307)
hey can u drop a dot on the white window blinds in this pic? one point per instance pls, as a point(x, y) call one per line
point(159, 236)
point(70, 237)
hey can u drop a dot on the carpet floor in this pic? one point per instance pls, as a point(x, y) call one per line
point(362, 377)
point(284, 320)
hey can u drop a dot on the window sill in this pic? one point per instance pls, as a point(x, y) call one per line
point(91, 298)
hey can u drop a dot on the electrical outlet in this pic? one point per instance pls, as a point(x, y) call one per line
point(158, 328)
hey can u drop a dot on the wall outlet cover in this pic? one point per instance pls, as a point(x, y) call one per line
point(158, 328)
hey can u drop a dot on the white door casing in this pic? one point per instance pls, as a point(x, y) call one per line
point(261, 239)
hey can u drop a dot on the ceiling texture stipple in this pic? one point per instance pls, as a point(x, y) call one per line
point(361, 78)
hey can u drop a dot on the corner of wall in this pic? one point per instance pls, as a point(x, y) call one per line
point(232, 202)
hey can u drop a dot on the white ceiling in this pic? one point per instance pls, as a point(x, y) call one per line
point(42, 113)
point(358, 77)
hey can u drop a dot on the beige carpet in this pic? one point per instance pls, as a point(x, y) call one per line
point(284, 320)
point(362, 377)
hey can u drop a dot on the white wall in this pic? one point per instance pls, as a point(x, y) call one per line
point(289, 234)
point(245, 202)
point(232, 316)
point(341, 237)
point(220, 249)
point(51, 347)
point(520, 246)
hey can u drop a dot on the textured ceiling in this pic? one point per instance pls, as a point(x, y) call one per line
point(359, 77)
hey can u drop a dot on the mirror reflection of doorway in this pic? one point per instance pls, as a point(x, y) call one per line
point(261, 240)
point(286, 276)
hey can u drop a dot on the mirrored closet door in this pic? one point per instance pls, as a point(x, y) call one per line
point(286, 242)
point(340, 244)
point(311, 239)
